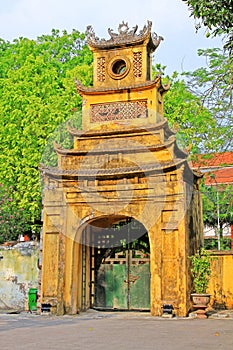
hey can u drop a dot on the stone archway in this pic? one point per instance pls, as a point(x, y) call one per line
point(125, 163)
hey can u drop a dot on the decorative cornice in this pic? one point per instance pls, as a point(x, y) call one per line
point(121, 130)
point(113, 172)
point(123, 37)
point(81, 89)
point(125, 149)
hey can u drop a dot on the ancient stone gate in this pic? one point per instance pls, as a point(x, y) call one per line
point(122, 210)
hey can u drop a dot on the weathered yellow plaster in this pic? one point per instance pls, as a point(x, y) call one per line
point(125, 163)
point(221, 281)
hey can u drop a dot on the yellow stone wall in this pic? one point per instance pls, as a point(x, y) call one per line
point(109, 56)
point(18, 273)
point(151, 95)
point(169, 241)
point(221, 282)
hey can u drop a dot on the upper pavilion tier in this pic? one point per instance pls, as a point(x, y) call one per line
point(124, 37)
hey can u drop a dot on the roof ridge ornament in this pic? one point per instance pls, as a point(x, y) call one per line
point(125, 35)
point(123, 30)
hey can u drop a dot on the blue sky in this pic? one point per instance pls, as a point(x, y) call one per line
point(170, 18)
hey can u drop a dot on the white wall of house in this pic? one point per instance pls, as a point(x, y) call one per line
point(210, 232)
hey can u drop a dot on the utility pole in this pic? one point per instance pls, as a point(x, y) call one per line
point(218, 211)
point(218, 218)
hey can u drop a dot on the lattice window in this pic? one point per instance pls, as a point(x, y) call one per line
point(101, 69)
point(119, 111)
point(135, 257)
point(137, 64)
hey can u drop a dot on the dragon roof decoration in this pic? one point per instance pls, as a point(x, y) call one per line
point(124, 36)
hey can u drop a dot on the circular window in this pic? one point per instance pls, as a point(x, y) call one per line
point(118, 68)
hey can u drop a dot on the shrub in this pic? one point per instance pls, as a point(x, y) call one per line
point(201, 270)
point(13, 221)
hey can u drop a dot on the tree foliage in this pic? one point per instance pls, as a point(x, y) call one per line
point(216, 15)
point(199, 105)
point(185, 114)
point(37, 93)
point(218, 207)
point(199, 108)
point(14, 221)
point(212, 85)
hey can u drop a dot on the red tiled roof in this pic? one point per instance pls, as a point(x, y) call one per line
point(222, 176)
point(218, 164)
point(212, 160)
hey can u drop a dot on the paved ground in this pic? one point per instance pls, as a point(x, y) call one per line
point(121, 331)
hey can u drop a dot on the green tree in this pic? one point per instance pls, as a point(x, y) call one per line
point(185, 113)
point(218, 208)
point(13, 221)
point(212, 85)
point(37, 93)
point(198, 105)
point(216, 16)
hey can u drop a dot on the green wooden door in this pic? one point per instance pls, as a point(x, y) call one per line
point(122, 279)
point(139, 286)
point(115, 290)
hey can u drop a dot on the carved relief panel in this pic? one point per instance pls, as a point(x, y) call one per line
point(118, 111)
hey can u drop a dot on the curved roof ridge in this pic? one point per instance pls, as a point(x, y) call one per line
point(124, 130)
point(120, 171)
point(147, 84)
point(124, 36)
point(142, 148)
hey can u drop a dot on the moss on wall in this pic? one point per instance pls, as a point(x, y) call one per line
point(18, 273)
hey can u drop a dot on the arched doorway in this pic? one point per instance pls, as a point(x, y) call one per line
point(118, 256)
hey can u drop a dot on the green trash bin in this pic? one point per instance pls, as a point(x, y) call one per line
point(32, 299)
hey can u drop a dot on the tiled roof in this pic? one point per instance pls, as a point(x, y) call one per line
point(212, 160)
point(218, 164)
point(222, 176)
point(119, 171)
point(124, 37)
